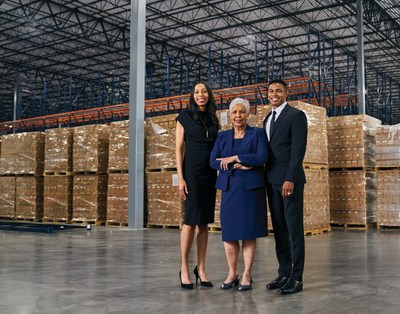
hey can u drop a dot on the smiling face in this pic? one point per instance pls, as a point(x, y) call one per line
point(238, 116)
point(277, 94)
point(200, 95)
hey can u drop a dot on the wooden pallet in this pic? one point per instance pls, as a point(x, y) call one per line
point(352, 226)
point(109, 171)
point(56, 220)
point(57, 173)
point(163, 226)
point(214, 229)
point(116, 224)
point(165, 169)
point(316, 231)
point(88, 222)
point(315, 166)
point(389, 228)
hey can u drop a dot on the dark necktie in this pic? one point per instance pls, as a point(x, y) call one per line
point(271, 125)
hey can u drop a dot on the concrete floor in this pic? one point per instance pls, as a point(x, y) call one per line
point(116, 270)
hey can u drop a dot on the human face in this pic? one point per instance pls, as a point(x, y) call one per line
point(200, 95)
point(277, 94)
point(238, 116)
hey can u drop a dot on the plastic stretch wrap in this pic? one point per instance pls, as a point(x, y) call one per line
point(117, 198)
point(89, 199)
point(160, 142)
point(90, 148)
point(57, 195)
point(7, 197)
point(58, 150)
point(29, 198)
point(388, 200)
point(164, 204)
point(351, 141)
point(388, 146)
point(353, 196)
point(22, 153)
point(119, 145)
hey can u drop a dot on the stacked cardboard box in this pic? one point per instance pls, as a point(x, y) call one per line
point(117, 199)
point(22, 153)
point(351, 141)
point(388, 202)
point(118, 149)
point(353, 197)
point(351, 144)
point(117, 192)
point(160, 142)
point(58, 151)
point(388, 186)
point(90, 165)
point(164, 205)
point(316, 201)
point(90, 148)
point(29, 198)
point(7, 197)
point(89, 198)
point(57, 204)
point(57, 194)
point(388, 146)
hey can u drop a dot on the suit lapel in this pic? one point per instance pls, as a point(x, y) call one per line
point(248, 135)
point(280, 118)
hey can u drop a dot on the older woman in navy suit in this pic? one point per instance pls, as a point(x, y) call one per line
point(240, 154)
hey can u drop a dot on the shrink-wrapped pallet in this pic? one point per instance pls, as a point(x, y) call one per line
point(118, 149)
point(351, 141)
point(388, 200)
point(90, 148)
point(353, 197)
point(29, 198)
point(57, 195)
point(160, 142)
point(58, 151)
point(117, 199)
point(7, 197)
point(388, 146)
point(89, 198)
point(22, 153)
point(164, 205)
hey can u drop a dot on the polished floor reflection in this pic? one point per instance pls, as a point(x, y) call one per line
point(116, 270)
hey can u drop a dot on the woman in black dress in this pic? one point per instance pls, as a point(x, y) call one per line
point(196, 132)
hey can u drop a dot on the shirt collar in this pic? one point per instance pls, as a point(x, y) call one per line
point(280, 108)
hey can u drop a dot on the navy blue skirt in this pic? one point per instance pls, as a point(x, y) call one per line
point(243, 212)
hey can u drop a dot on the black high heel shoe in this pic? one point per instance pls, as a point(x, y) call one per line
point(246, 287)
point(203, 283)
point(188, 286)
point(229, 285)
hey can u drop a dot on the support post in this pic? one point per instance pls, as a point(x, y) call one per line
point(136, 115)
point(360, 57)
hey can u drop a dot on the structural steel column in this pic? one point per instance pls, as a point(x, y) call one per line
point(136, 114)
point(360, 57)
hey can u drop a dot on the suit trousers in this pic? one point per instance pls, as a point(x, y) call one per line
point(288, 227)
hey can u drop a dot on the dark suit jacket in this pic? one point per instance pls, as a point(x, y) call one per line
point(253, 152)
point(287, 147)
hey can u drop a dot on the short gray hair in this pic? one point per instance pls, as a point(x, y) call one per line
point(240, 101)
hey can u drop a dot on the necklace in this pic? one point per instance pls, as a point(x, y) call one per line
point(240, 135)
point(205, 127)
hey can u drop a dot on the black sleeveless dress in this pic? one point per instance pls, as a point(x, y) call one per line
point(199, 176)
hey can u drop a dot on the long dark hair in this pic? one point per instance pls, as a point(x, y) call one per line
point(211, 107)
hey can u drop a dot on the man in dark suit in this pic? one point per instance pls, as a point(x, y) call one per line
point(286, 129)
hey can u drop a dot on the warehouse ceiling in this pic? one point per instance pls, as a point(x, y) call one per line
point(73, 54)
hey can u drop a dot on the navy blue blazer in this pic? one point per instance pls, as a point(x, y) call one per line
point(287, 147)
point(253, 153)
